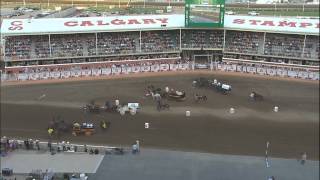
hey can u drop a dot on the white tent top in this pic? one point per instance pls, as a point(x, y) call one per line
point(128, 23)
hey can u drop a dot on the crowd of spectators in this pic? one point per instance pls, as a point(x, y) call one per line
point(18, 47)
point(283, 45)
point(68, 45)
point(244, 42)
point(118, 43)
point(202, 39)
point(159, 41)
point(312, 46)
point(41, 46)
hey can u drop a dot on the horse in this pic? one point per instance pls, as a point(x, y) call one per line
point(198, 98)
point(162, 106)
point(255, 96)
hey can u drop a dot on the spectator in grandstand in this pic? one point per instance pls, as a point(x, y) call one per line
point(284, 45)
point(202, 39)
point(243, 42)
point(159, 41)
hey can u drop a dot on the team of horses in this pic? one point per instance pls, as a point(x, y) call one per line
point(160, 95)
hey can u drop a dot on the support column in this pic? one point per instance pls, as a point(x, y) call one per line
point(140, 39)
point(304, 45)
point(96, 43)
point(50, 47)
point(224, 40)
point(3, 47)
point(180, 40)
point(264, 42)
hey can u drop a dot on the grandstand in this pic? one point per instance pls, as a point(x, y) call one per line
point(123, 38)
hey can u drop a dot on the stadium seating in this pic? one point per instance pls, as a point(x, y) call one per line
point(202, 39)
point(18, 47)
point(244, 42)
point(118, 43)
point(311, 47)
point(159, 41)
point(69, 45)
point(283, 45)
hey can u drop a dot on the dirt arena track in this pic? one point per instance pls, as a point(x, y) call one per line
point(294, 129)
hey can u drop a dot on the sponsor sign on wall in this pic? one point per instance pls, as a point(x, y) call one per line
point(271, 72)
point(251, 69)
point(155, 68)
point(174, 67)
point(261, 71)
point(116, 70)
point(292, 73)
point(23, 76)
point(86, 72)
point(44, 75)
point(282, 72)
point(96, 72)
point(303, 74)
point(135, 69)
point(75, 73)
point(183, 66)
point(65, 74)
point(164, 67)
point(34, 76)
point(55, 74)
point(145, 68)
point(105, 71)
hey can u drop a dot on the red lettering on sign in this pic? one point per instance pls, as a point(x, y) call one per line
point(254, 22)
point(305, 24)
point(100, 23)
point(285, 23)
point(71, 23)
point(117, 22)
point(16, 25)
point(133, 21)
point(86, 23)
point(238, 21)
point(149, 21)
point(267, 23)
point(163, 20)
